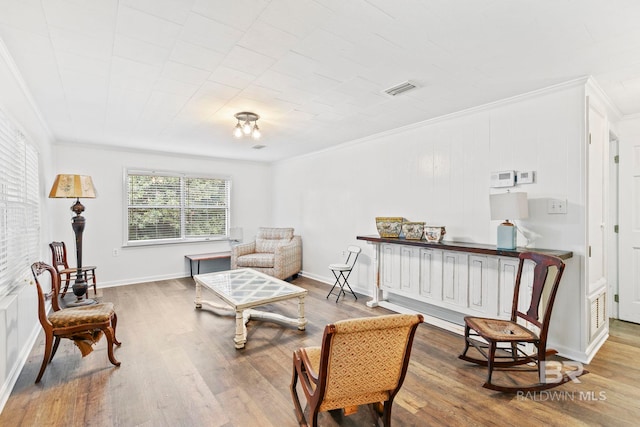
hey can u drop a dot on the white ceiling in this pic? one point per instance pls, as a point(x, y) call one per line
point(169, 75)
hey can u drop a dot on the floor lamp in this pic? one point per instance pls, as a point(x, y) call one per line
point(75, 187)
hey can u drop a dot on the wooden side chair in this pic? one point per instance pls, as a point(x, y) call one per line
point(66, 274)
point(502, 343)
point(83, 324)
point(361, 361)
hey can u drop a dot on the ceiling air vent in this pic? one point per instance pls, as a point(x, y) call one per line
point(258, 146)
point(402, 87)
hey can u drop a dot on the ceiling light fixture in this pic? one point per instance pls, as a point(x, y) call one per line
point(247, 125)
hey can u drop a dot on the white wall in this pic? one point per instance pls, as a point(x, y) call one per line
point(438, 171)
point(251, 201)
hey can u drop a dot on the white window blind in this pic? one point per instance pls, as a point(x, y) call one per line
point(168, 208)
point(19, 206)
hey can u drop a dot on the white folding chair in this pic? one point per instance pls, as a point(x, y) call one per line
point(342, 272)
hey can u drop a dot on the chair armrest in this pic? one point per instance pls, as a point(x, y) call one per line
point(239, 250)
point(288, 258)
point(290, 248)
point(313, 375)
point(243, 249)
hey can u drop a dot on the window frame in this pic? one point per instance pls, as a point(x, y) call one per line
point(127, 171)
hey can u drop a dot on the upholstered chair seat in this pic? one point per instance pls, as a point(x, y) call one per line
point(95, 313)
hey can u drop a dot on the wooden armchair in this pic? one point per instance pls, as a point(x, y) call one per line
point(66, 274)
point(361, 361)
point(84, 325)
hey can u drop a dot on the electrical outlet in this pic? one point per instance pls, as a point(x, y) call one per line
point(561, 206)
point(116, 252)
point(557, 206)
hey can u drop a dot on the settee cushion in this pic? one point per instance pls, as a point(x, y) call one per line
point(268, 239)
point(262, 260)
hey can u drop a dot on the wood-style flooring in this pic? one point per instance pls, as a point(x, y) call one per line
point(180, 368)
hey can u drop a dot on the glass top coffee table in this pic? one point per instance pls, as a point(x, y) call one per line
point(244, 289)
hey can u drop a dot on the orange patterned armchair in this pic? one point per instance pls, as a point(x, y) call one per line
point(361, 361)
point(276, 252)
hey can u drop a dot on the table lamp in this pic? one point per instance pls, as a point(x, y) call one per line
point(75, 187)
point(508, 206)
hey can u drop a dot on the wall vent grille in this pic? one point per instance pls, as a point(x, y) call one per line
point(598, 313)
point(402, 87)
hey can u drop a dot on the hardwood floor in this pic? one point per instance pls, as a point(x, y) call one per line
point(180, 368)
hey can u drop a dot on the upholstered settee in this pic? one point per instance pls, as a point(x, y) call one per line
point(276, 252)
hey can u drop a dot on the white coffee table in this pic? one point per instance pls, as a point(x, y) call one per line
point(245, 288)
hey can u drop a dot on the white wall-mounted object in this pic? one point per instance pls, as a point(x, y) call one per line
point(557, 206)
point(525, 177)
point(503, 179)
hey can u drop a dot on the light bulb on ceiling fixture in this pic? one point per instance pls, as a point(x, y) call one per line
point(246, 127)
point(256, 132)
point(237, 132)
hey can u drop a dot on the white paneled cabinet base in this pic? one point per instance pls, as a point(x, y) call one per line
point(453, 279)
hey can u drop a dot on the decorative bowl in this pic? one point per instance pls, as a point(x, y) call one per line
point(434, 233)
point(413, 230)
point(389, 226)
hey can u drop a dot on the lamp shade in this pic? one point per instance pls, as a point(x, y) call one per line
point(509, 206)
point(73, 186)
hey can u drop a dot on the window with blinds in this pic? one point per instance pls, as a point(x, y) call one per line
point(169, 208)
point(19, 206)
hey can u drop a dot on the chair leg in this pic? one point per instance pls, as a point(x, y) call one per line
point(95, 289)
point(108, 331)
point(55, 348)
point(48, 342)
point(67, 281)
point(114, 323)
point(386, 415)
point(490, 359)
point(466, 340)
point(333, 287)
point(294, 394)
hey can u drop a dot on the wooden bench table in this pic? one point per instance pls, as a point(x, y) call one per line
point(205, 257)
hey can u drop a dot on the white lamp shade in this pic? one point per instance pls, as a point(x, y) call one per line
point(509, 206)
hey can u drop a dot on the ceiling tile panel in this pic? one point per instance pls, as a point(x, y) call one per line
point(184, 73)
point(140, 51)
point(231, 77)
point(148, 28)
point(70, 41)
point(268, 40)
point(240, 14)
point(91, 18)
point(247, 60)
point(210, 34)
point(26, 15)
point(297, 17)
point(164, 84)
point(171, 10)
point(195, 56)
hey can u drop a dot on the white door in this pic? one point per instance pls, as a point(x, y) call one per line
point(629, 236)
